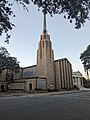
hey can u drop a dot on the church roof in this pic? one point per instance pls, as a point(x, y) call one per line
point(62, 59)
point(78, 73)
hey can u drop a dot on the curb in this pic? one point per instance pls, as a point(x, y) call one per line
point(58, 93)
point(42, 94)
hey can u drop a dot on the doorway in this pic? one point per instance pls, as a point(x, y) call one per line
point(30, 86)
point(2, 87)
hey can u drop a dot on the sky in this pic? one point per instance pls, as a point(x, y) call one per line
point(67, 42)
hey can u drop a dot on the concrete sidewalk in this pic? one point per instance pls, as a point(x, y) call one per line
point(60, 92)
point(7, 94)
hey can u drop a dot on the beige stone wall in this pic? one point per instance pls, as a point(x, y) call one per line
point(3, 75)
point(41, 84)
point(45, 61)
point(57, 76)
point(30, 81)
point(17, 86)
point(23, 84)
point(17, 76)
point(29, 71)
point(63, 74)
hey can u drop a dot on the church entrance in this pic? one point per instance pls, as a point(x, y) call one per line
point(2, 87)
point(30, 86)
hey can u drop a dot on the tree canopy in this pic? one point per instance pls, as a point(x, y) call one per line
point(85, 58)
point(76, 11)
point(8, 62)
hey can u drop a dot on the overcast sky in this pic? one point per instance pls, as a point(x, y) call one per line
point(67, 42)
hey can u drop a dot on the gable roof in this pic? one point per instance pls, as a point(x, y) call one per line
point(78, 73)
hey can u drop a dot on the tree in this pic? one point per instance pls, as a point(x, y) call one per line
point(85, 58)
point(5, 13)
point(73, 10)
point(8, 62)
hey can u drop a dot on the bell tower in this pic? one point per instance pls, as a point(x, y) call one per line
point(45, 58)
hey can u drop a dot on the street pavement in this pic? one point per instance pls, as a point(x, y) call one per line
point(72, 106)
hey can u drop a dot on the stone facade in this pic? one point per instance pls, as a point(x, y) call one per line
point(45, 61)
point(29, 72)
point(5, 77)
point(29, 84)
point(78, 80)
point(63, 74)
point(17, 75)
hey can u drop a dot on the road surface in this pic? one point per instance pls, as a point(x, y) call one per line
point(75, 106)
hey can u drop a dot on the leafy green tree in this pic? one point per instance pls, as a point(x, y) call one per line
point(85, 58)
point(8, 62)
point(76, 11)
point(5, 13)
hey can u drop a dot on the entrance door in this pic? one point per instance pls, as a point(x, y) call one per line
point(30, 86)
point(2, 87)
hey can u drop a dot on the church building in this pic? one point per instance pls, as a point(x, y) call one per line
point(47, 74)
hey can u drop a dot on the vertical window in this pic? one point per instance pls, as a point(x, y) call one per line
point(44, 36)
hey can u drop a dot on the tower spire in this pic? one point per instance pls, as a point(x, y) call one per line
point(44, 24)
